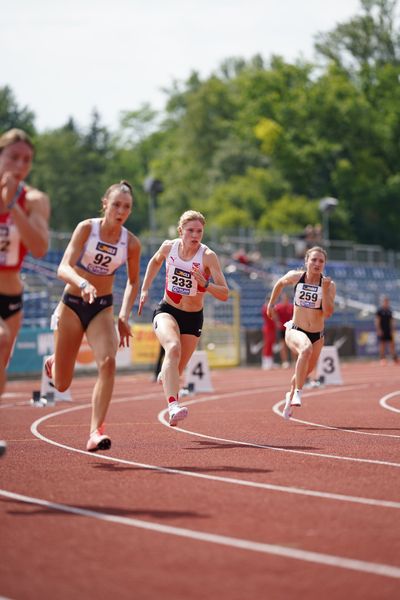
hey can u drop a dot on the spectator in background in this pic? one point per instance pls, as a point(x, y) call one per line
point(269, 336)
point(318, 234)
point(241, 257)
point(24, 227)
point(309, 235)
point(385, 329)
point(284, 312)
point(305, 241)
point(312, 236)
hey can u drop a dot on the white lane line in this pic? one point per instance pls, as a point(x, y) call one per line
point(277, 406)
point(13, 405)
point(297, 554)
point(220, 479)
point(384, 401)
point(277, 411)
point(162, 417)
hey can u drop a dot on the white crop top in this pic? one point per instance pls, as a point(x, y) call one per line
point(307, 295)
point(102, 258)
point(179, 279)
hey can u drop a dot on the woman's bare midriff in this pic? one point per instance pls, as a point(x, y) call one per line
point(309, 319)
point(187, 303)
point(10, 282)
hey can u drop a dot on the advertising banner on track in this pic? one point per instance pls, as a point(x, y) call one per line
point(367, 342)
point(35, 343)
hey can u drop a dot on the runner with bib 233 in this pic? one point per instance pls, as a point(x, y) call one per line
point(192, 270)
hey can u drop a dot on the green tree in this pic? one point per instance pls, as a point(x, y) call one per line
point(11, 115)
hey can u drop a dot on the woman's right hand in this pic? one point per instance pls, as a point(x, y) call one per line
point(8, 188)
point(144, 294)
point(89, 293)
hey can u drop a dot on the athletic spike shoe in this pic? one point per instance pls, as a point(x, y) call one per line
point(3, 447)
point(296, 400)
point(287, 411)
point(176, 413)
point(98, 441)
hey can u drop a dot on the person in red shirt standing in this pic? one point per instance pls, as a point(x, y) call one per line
point(284, 313)
point(24, 218)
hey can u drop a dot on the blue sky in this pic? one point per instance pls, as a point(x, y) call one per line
point(64, 58)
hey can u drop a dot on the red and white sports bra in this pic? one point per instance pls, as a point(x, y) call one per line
point(179, 280)
point(12, 250)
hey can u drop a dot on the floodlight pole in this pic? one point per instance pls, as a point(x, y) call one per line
point(326, 206)
point(153, 187)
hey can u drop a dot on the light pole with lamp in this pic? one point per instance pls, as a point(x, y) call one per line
point(153, 187)
point(327, 206)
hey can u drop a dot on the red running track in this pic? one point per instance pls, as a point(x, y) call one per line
point(238, 503)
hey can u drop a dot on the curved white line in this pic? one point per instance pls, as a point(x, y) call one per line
point(12, 405)
point(383, 401)
point(242, 544)
point(163, 420)
point(267, 447)
point(276, 410)
point(231, 480)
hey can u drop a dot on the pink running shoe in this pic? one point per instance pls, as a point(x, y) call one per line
point(98, 441)
point(176, 413)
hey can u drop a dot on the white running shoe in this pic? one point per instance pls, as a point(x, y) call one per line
point(287, 411)
point(296, 400)
point(176, 413)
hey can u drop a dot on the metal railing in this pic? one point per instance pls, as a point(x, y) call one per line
point(268, 246)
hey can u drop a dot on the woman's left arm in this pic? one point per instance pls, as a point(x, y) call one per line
point(34, 225)
point(328, 296)
point(131, 290)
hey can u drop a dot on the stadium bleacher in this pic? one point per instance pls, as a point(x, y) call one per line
point(358, 288)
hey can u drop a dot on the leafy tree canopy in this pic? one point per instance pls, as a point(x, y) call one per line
point(256, 144)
